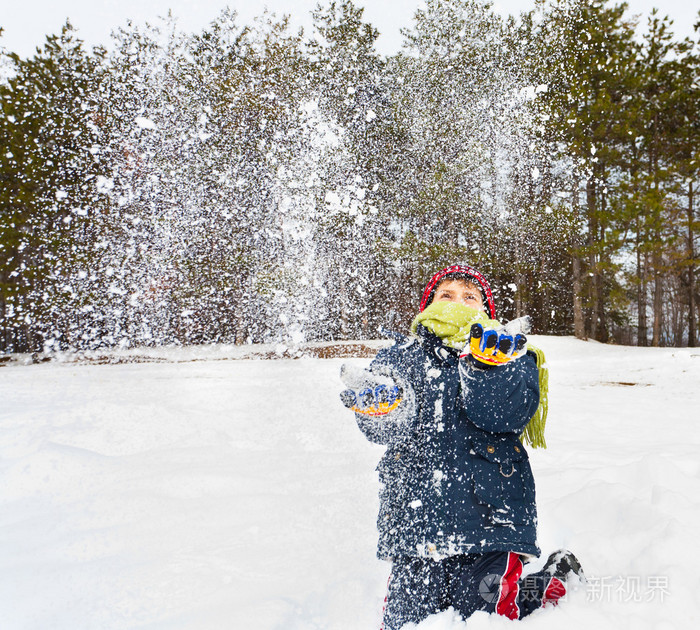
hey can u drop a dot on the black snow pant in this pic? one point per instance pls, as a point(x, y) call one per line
point(491, 582)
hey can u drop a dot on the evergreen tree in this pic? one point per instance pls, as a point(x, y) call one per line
point(51, 165)
point(684, 154)
point(588, 52)
point(652, 130)
point(248, 184)
point(451, 92)
point(348, 83)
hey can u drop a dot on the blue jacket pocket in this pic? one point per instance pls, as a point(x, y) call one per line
point(500, 473)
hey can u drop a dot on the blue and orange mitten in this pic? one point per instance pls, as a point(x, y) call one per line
point(497, 346)
point(370, 393)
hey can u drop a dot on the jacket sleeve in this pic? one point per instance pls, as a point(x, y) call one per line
point(396, 424)
point(501, 399)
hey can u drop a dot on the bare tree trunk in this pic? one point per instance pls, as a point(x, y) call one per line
point(658, 299)
point(520, 284)
point(579, 323)
point(691, 270)
point(642, 339)
point(343, 332)
point(677, 308)
point(579, 327)
point(519, 281)
point(601, 315)
point(656, 258)
point(592, 260)
point(3, 338)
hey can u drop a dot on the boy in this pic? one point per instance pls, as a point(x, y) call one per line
point(457, 505)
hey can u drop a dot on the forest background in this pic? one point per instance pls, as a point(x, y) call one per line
point(255, 183)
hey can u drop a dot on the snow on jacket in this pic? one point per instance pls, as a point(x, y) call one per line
point(455, 477)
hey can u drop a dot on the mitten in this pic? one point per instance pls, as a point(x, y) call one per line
point(497, 346)
point(369, 393)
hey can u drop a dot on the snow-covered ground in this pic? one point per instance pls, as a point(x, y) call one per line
point(239, 495)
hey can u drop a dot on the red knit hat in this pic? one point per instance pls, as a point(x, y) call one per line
point(464, 272)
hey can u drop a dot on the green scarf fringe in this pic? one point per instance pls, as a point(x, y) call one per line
point(534, 431)
point(452, 321)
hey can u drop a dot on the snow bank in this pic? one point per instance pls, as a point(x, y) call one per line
point(216, 494)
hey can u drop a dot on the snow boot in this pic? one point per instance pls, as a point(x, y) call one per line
point(562, 564)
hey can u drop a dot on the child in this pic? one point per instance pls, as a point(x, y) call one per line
point(457, 511)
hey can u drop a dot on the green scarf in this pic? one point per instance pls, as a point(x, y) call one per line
point(452, 321)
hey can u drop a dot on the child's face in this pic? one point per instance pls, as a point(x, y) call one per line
point(459, 291)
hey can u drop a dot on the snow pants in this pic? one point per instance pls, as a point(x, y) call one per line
point(491, 582)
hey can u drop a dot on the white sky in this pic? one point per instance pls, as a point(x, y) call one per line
point(27, 22)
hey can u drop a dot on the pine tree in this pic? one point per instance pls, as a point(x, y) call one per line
point(453, 91)
point(684, 154)
point(347, 81)
point(588, 52)
point(51, 164)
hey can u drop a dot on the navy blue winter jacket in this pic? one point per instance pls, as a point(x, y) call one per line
point(455, 477)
